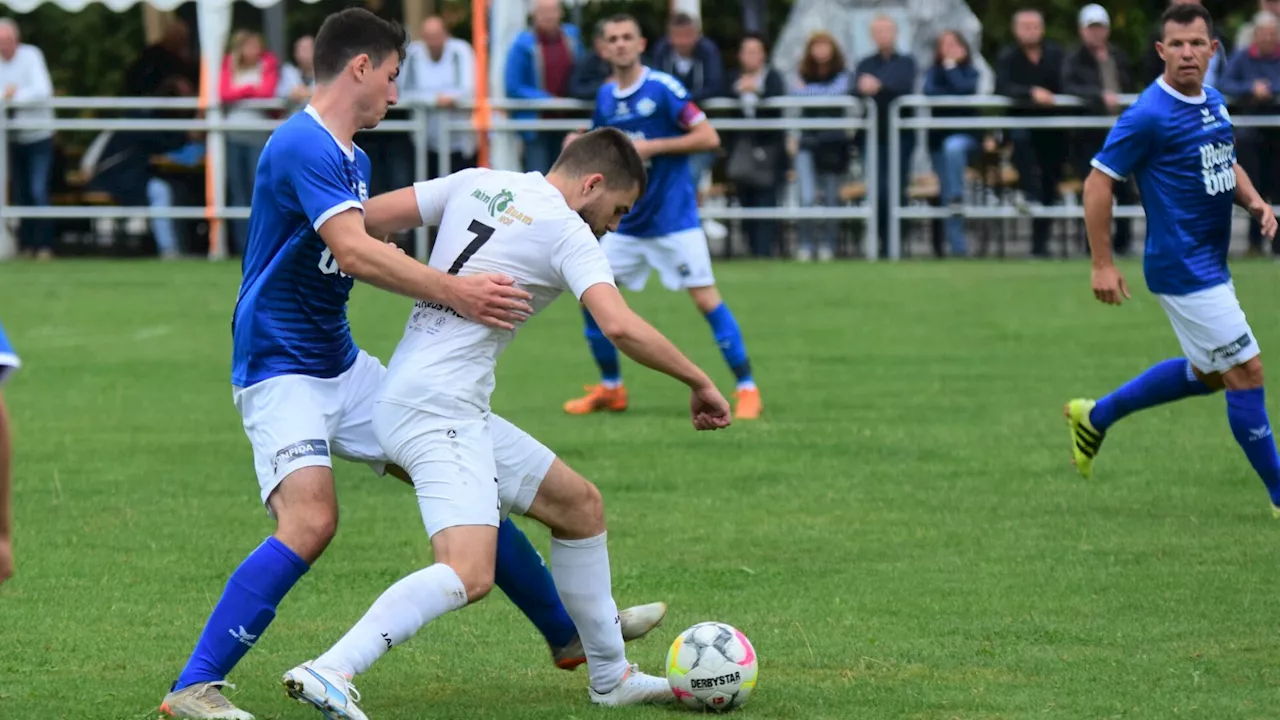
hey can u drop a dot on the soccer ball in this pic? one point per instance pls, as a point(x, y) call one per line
point(712, 666)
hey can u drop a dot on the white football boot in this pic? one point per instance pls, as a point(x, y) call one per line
point(636, 688)
point(636, 622)
point(328, 691)
point(202, 701)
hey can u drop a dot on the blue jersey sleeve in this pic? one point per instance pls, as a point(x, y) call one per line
point(323, 184)
point(679, 108)
point(8, 358)
point(597, 115)
point(1129, 143)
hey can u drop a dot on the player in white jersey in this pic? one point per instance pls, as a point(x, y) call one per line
point(305, 390)
point(433, 416)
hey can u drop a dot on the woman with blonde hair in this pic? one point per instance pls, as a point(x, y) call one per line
point(249, 72)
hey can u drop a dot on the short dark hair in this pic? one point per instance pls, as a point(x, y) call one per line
point(352, 32)
point(620, 18)
point(1186, 14)
point(607, 151)
point(758, 37)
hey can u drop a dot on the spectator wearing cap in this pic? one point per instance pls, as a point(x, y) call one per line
point(1251, 84)
point(1098, 72)
point(1030, 72)
point(1153, 67)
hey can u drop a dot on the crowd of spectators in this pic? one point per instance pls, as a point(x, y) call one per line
point(553, 59)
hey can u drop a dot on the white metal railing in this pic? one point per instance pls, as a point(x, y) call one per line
point(856, 118)
point(897, 124)
point(216, 125)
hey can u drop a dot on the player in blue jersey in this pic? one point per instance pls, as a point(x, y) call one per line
point(306, 392)
point(663, 231)
point(1177, 141)
point(8, 363)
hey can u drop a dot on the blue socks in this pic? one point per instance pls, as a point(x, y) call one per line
point(1173, 380)
point(729, 339)
point(524, 578)
point(603, 351)
point(1163, 382)
point(247, 607)
point(1247, 413)
point(723, 325)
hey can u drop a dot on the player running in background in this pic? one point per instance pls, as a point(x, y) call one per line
point(1177, 140)
point(433, 416)
point(304, 390)
point(8, 363)
point(663, 231)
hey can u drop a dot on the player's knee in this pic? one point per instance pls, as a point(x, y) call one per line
point(476, 576)
point(706, 298)
point(1245, 376)
point(580, 513)
point(307, 530)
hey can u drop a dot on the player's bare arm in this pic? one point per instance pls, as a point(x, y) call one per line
point(6, 517)
point(1108, 284)
point(1247, 197)
point(700, 138)
point(641, 342)
point(487, 299)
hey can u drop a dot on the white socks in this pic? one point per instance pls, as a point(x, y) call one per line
point(580, 569)
point(396, 615)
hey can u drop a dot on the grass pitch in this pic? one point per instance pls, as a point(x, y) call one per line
point(902, 536)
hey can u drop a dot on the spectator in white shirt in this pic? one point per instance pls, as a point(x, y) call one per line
point(24, 78)
point(298, 78)
point(439, 70)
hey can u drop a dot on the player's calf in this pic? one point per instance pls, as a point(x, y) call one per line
point(1250, 424)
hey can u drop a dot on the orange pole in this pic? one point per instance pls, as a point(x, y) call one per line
point(480, 116)
point(210, 198)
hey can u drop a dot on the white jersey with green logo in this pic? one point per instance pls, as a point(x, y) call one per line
point(490, 221)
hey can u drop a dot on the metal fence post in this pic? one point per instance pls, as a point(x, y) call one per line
point(421, 172)
point(4, 175)
point(895, 180)
point(871, 179)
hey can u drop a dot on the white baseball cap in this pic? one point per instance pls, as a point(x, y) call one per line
point(1094, 14)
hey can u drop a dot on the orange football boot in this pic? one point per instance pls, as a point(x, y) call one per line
point(598, 398)
point(749, 405)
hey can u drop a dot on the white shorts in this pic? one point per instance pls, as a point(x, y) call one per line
point(457, 475)
point(1211, 328)
point(682, 259)
point(297, 421)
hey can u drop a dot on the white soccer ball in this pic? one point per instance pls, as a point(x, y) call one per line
point(712, 666)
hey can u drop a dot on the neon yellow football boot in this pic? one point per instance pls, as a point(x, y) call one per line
point(1085, 439)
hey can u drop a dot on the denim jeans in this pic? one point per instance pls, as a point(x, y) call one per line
point(242, 166)
point(540, 153)
point(949, 162)
point(817, 189)
point(29, 171)
point(160, 195)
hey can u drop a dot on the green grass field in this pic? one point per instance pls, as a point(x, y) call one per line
point(901, 537)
